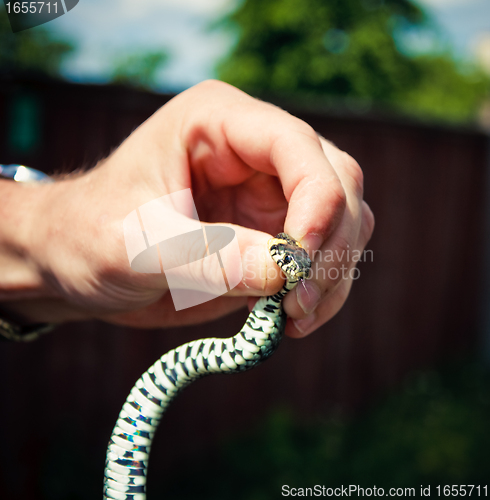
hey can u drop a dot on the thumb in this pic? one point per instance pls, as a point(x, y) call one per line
point(219, 259)
point(260, 275)
point(200, 261)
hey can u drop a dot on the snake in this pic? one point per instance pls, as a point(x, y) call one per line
point(128, 450)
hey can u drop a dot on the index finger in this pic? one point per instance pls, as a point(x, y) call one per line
point(271, 140)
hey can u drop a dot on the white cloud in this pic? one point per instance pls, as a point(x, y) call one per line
point(105, 31)
point(481, 48)
point(144, 7)
point(448, 3)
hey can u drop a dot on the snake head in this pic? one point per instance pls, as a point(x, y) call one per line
point(290, 256)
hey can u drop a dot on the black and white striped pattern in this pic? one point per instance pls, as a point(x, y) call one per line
point(129, 446)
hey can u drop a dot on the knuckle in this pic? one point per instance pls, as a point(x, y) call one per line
point(292, 127)
point(368, 222)
point(335, 277)
point(335, 266)
point(211, 84)
point(216, 87)
point(355, 172)
point(338, 197)
point(305, 129)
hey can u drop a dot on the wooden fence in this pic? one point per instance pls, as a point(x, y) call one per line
point(416, 301)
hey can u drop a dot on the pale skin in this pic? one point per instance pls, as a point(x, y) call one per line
point(248, 163)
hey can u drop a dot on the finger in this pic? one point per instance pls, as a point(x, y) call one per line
point(267, 139)
point(334, 259)
point(334, 299)
point(246, 262)
point(310, 184)
point(367, 226)
point(326, 310)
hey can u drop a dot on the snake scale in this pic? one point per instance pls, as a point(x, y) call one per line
point(130, 443)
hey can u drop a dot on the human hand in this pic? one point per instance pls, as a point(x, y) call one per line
point(248, 163)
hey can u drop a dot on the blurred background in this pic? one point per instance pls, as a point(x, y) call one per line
point(395, 390)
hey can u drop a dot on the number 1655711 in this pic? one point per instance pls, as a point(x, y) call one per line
point(31, 7)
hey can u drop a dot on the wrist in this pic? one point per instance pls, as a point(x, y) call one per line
point(21, 282)
point(19, 275)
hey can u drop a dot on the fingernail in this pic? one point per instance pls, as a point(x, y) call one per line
point(312, 242)
point(304, 325)
point(308, 295)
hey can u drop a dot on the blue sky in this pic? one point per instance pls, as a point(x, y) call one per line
point(105, 30)
point(462, 20)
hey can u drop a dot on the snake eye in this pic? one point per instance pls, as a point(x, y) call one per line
point(287, 259)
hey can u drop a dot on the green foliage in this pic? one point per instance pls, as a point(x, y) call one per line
point(433, 431)
point(139, 69)
point(33, 50)
point(445, 91)
point(346, 49)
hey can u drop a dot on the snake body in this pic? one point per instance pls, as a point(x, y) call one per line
point(130, 443)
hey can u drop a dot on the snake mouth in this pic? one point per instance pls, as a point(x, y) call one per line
point(291, 257)
point(295, 263)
